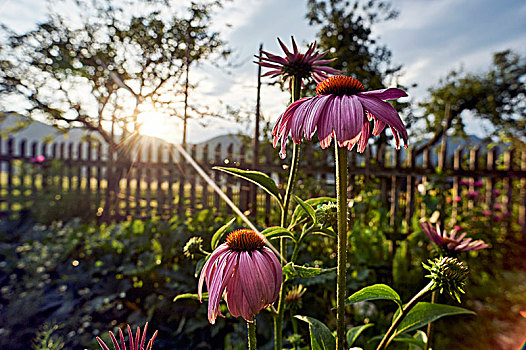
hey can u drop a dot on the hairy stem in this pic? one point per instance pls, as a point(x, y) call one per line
point(278, 320)
point(429, 332)
point(252, 335)
point(391, 332)
point(341, 200)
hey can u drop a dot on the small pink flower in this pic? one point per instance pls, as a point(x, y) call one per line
point(457, 228)
point(449, 200)
point(135, 344)
point(245, 271)
point(341, 110)
point(496, 192)
point(478, 183)
point(486, 212)
point(451, 241)
point(498, 207)
point(457, 199)
point(38, 159)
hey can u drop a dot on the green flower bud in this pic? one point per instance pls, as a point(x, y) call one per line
point(193, 247)
point(327, 215)
point(448, 274)
point(293, 296)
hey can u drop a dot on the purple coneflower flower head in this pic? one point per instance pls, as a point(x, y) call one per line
point(135, 344)
point(296, 64)
point(451, 241)
point(341, 109)
point(245, 271)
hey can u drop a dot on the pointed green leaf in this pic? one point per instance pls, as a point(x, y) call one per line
point(219, 233)
point(299, 213)
point(354, 333)
point(374, 292)
point(276, 232)
point(261, 179)
point(291, 271)
point(321, 337)
point(199, 266)
point(190, 296)
point(402, 338)
point(424, 313)
point(307, 208)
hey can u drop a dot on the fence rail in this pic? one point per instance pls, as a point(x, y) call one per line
point(91, 181)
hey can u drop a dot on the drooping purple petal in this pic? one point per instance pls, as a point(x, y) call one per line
point(385, 112)
point(385, 94)
point(102, 344)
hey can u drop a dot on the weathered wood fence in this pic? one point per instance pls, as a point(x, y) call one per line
point(85, 179)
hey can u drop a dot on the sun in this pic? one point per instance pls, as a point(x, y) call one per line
point(154, 123)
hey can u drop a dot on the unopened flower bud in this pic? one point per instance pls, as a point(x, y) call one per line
point(193, 247)
point(327, 215)
point(448, 274)
point(293, 297)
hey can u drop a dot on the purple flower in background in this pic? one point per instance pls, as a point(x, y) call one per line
point(486, 212)
point(473, 194)
point(295, 64)
point(341, 109)
point(135, 344)
point(38, 159)
point(478, 184)
point(496, 192)
point(463, 183)
point(451, 241)
point(245, 271)
point(497, 207)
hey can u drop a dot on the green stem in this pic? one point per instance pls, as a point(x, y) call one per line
point(430, 325)
point(252, 334)
point(391, 332)
point(278, 320)
point(341, 200)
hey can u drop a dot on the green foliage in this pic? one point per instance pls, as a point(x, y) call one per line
point(424, 313)
point(354, 333)
point(257, 177)
point(320, 336)
point(375, 292)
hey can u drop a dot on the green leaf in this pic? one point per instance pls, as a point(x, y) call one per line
point(307, 208)
point(261, 179)
point(402, 338)
point(321, 337)
point(299, 213)
point(190, 296)
point(375, 292)
point(276, 232)
point(424, 313)
point(291, 271)
point(354, 333)
point(199, 266)
point(219, 233)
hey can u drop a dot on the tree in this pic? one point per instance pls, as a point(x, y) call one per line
point(347, 31)
point(496, 95)
point(100, 70)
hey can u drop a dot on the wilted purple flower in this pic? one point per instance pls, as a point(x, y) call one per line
point(295, 64)
point(451, 241)
point(245, 271)
point(341, 109)
point(135, 344)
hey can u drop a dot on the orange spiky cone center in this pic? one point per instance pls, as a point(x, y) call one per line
point(244, 240)
point(339, 85)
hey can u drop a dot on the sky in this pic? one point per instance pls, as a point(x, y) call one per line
point(429, 38)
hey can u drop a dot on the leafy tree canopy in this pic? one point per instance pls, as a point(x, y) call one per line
point(99, 70)
point(496, 95)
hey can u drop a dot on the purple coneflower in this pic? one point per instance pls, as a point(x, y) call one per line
point(295, 64)
point(245, 271)
point(341, 109)
point(451, 241)
point(137, 344)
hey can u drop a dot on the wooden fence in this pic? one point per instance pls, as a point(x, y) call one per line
point(84, 179)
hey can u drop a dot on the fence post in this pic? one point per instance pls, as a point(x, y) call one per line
point(217, 177)
point(410, 191)
point(10, 156)
point(229, 156)
point(205, 163)
point(522, 199)
point(182, 176)
point(192, 179)
point(457, 165)
point(508, 187)
point(490, 186)
point(160, 166)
